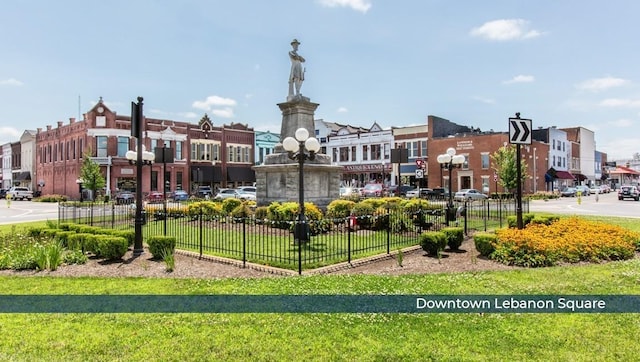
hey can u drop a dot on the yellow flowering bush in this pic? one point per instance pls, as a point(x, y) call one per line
point(569, 240)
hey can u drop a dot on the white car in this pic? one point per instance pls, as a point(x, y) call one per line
point(19, 193)
point(469, 195)
point(246, 195)
point(226, 194)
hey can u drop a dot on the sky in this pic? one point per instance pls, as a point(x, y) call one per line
point(560, 63)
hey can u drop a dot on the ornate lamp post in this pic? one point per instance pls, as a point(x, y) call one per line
point(139, 157)
point(450, 161)
point(296, 148)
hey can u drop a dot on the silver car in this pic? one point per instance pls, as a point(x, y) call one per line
point(469, 195)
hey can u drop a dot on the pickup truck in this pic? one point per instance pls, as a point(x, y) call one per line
point(20, 193)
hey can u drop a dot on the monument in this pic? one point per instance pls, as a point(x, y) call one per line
point(277, 178)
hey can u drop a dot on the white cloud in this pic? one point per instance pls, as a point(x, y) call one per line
point(9, 134)
point(600, 84)
point(342, 110)
point(620, 102)
point(520, 79)
point(226, 112)
point(11, 82)
point(214, 101)
point(358, 5)
point(505, 29)
point(620, 148)
point(188, 115)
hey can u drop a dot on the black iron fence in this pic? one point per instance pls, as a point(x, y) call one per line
point(272, 242)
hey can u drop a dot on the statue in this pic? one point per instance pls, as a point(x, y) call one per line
point(297, 71)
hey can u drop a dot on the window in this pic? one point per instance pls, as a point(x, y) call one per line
point(154, 180)
point(101, 146)
point(179, 180)
point(123, 146)
point(554, 161)
point(178, 150)
point(465, 164)
point(216, 152)
point(554, 145)
point(413, 151)
point(238, 154)
point(344, 154)
point(353, 154)
point(484, 157)
point(376, 152)
point(423, 148)
point(365, 152)
point(231, 153)
point(334, 154)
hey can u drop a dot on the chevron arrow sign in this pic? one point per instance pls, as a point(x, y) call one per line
point(520, 131)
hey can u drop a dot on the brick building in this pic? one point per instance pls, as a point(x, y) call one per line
point(201, 154)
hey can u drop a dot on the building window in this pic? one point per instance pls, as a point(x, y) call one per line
point(413, 151)
point(376, 153)
point(123, 146)
point(154, 180)
point(365, 152)
point(554, 145)
point(216, 152)
point(353, 154)
point(554, 161)
point(101, 146)
point(179, 180)
point(178, 150)
point(344, 154)
point(484, 157)
point(465, 164)
point(238, 154)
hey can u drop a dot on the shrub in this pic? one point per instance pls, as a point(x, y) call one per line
point(86, 229)
point(52, 198)
point(169, 259)
point(433, 242)
point(454, 236)
point(62, 237)
point(78, 241)
point(111, 247)
point(48, 256)
point(512, 220)
point(161, 244)
point(66, 226)
point(400, 222)
point(228, 205)
point(241, 211)
point(35, 231)
point(261, 214)
point(485, 243)
point(363, 211)
point(49, 233)
point(74, 257)
point(339, 209)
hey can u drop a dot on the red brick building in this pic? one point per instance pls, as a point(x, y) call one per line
point(201, 154)
point(477, 147)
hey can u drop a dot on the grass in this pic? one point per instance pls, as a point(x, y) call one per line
point(352, 337)
point(349, 336)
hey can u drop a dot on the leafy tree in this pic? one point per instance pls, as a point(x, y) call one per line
point(91, 175)
point(504, 164)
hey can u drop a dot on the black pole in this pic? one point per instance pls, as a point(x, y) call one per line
point(164, 186)
point(137, 118)
point(519, 188)
point(450, 202)
point(302, 227)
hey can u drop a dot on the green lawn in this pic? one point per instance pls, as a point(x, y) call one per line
point(333, 337)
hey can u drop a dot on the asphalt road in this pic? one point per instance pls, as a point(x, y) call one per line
point(24, 211)
point(603, 204)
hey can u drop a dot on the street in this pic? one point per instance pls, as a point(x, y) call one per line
point(603, 205)
point(24, 211)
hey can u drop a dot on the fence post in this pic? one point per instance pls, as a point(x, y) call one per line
point(91, 204)
point(500, 211)
point(200, 221)
point(350, 219)
point(466, 213)
point(113, 216)
point(388, 231)
point(244, 241)
point(487, 214)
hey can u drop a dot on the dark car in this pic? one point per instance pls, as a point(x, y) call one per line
point(124, 197)
point(569, 192)
point(629, 192)
point(400, 191)
point(204, 192)
point(3, 193)
point(435, 193)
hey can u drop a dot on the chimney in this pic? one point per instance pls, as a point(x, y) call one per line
point(39, 129)
point(72, 120)
point(59, 124)
point(48, 127)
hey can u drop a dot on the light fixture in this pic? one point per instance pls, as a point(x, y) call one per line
point(449, 161)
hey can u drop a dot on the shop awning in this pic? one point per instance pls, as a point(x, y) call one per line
point(565, 175)
point(580, 177)
point(206, 174)
point(240, 174)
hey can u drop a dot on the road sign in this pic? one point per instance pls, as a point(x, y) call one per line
point(419, 173)
point(419, 162)
point(520, 131)
point(495, 177)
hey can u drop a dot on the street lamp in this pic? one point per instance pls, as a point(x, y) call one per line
point(450, 161)
point(139, 157)
point(80, 182)
point(296, 148)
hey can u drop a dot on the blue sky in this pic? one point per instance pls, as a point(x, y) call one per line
point(561, 63)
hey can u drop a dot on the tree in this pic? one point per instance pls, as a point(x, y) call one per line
point(504, 164)
point(91, 175)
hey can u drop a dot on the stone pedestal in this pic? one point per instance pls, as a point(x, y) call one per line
point(277, 179)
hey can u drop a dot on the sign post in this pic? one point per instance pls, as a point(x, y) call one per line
point(519, 134)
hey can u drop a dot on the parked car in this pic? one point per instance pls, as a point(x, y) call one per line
point(605, 189)
point(373, 190)
point(226, 194)
point(402, 190)
point(246, 195)
point(155, 196)
point(346, 191)
point(3, 193)
point(583, 190)
point(595, 189)
point(568, 192)
point(124, 197)
point(469, 195)
point(204, 192)
point(414, 193)
point(629, 192)
point(20, 193)
point(435, 193)
point(180, 195)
